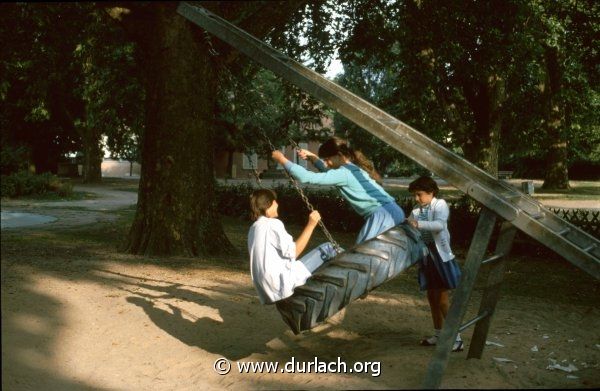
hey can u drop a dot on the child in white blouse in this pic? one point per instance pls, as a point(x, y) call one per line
point(438, 271)
point(274, 266)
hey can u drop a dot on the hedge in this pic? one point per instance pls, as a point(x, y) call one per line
point(339, 216)
point(24, 183)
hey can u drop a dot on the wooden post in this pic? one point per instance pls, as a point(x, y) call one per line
point(458, 307)
point(492, 290)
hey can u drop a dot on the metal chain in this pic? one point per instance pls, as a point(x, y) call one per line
point(303, 196)
point(211, 49)
point(294, 143)
point(309, 206)
point(254, 171)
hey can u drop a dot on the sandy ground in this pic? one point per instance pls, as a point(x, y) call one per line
point(102, 320)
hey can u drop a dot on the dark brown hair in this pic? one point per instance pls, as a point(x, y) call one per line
point(424, 183)
point(260, 201)
point(336, 145)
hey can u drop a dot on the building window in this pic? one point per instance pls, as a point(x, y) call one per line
point(250, 164)
point(279, 166)
point(298, 159)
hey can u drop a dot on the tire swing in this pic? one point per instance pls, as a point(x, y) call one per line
point(351, 274)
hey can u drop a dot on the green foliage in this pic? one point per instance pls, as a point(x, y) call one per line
point(312, 36)
point(431, 64)
point(570, 29)
point(109, 87)
point(69, 74)
point(256, 105)
point(66, 76)
point(335, 211)
point(37, 79)
point(337, 216)
point(24, 183)
point(13, 159)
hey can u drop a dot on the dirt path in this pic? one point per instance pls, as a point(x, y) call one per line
point(73, 213)
point(79, 315)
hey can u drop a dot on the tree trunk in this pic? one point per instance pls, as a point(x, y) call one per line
point(176, 211)
point(557, 175)
point(485, 100)
point(229, 173)
point(93, 155)
point(176, 203)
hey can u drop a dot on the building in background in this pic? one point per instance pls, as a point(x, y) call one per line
point(238, 165)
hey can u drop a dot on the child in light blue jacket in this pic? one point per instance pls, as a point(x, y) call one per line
point(356, 179)
point(438, 271)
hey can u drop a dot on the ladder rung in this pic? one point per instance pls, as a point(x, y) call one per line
point(390, 122)
point(538, 215)
point(589, 248)
point(511, 196)
point(563, 231)
point(491, 259)
point(476, 319)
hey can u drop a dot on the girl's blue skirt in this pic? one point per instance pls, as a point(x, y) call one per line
point(437, 274)
point(384, 218)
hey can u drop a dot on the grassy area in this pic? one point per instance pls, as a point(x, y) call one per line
point(584, 190)
point(129, 189)
point(123, 183)
point(52, 196)
point(401, 192)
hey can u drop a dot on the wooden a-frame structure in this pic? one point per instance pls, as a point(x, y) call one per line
point(500, 201)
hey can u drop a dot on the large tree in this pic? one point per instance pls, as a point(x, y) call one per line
point(176, 204)
point(554, 100)
point(451, 61)
point(111, 93)
point(471, 74)
point(66, 83)
point(37, 80)
point(570, 61)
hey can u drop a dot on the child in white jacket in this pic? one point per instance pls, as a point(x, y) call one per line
point(274, 264)
point(438, 271)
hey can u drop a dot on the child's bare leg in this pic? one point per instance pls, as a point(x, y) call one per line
point(433, 299)
point(444, 303)
point(433, 296)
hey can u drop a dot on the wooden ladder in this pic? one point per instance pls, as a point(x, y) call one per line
point(460, 300)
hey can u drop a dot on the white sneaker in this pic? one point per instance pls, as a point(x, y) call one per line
point(458, 346)
point(431, 341)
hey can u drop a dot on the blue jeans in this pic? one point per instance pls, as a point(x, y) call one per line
point(318, 256)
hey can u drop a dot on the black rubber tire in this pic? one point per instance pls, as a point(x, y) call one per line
point(351, 275)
